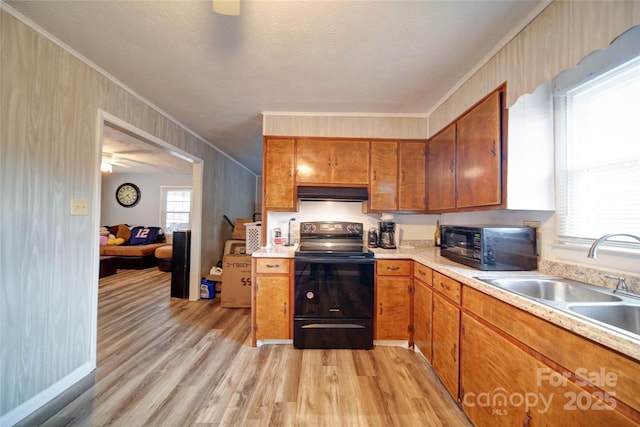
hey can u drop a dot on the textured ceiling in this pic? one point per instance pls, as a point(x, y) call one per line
point(216, 74)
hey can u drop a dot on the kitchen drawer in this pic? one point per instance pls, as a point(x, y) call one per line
point(272, 265)
point(447, 286)
point(393, 267)
point(423, 273)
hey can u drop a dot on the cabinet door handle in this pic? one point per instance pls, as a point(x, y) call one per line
point(527, 420)
point(380, 309)
point(273, 265)
point(453, 352)
point(329, 161)
point(284, 308)
point(493, 149)
point(451, 168)
point(403, 176)
point(393, 268)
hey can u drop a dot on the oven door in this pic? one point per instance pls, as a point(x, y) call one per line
point(333, 287)
point(333, 302)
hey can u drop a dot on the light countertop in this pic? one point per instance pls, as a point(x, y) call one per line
point(430, 257)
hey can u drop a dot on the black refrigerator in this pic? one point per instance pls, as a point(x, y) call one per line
point(180, 263)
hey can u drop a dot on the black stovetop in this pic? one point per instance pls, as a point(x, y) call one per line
point(333, 239)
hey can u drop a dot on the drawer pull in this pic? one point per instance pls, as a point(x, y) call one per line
point(422, 273)
point(446, 287)
point(393, 268)
point(273, 265)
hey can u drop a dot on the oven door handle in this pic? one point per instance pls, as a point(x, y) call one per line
point(335, 260)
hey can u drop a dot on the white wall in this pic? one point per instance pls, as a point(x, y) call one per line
point(147, 211)
point(408, 227)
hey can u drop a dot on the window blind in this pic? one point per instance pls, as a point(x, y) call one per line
point(598, 168)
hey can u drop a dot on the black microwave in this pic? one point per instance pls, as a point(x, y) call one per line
point(490, 247)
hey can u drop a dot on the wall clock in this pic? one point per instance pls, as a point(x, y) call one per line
point(128, 195)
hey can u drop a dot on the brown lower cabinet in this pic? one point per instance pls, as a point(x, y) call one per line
point(422, 308)
point(392, 316)
point(446, 342)
point(507, 367)
point(517, 369)
point(272, 307)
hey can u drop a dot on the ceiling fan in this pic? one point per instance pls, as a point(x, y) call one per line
point(109, 160)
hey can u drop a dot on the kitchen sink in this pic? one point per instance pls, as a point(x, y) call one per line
point(598, 305)
point(554, 289)
point(623, 316)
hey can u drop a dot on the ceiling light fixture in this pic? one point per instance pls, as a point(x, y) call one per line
point(106, 166)
point(227, 7)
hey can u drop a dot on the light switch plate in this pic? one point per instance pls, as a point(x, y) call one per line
point(79, 207)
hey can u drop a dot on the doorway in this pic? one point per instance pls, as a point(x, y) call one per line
point(143, 151)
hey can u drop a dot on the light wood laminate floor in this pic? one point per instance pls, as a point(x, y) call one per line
point(168, 362)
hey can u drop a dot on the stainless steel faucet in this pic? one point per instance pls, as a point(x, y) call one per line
point(621, 285)
point(594, 248)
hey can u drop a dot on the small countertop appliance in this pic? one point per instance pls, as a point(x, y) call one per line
point(387, 235)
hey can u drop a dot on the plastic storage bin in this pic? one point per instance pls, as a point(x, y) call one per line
point(207, 289)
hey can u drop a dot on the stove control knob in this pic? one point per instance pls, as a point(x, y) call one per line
point(354, 228)
point(309, 228)
point(310, 295)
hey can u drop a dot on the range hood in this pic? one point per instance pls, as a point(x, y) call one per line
point(341, 194)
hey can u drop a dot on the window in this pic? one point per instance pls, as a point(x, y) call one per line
point(598, 156)
point(176, 208)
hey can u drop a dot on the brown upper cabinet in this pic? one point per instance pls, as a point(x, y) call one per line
point(397, 181)
point(278, 174)
point(411, 176)
point(465, 164)
point(441, 170)
point(329, 161)
point(383, 191)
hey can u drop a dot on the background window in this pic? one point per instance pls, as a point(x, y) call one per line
point(176, 208)
point(598, 136)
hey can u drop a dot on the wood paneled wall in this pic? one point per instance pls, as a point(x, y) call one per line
point(354, 126)
point(558, 39)
point(49, 108)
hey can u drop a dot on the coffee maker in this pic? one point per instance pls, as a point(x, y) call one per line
point(387, 234)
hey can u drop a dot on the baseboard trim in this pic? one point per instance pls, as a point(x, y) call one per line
point(53, 406)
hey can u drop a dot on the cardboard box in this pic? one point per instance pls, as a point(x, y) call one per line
point(215, 278)
point(236, 276)
point(239, 231)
